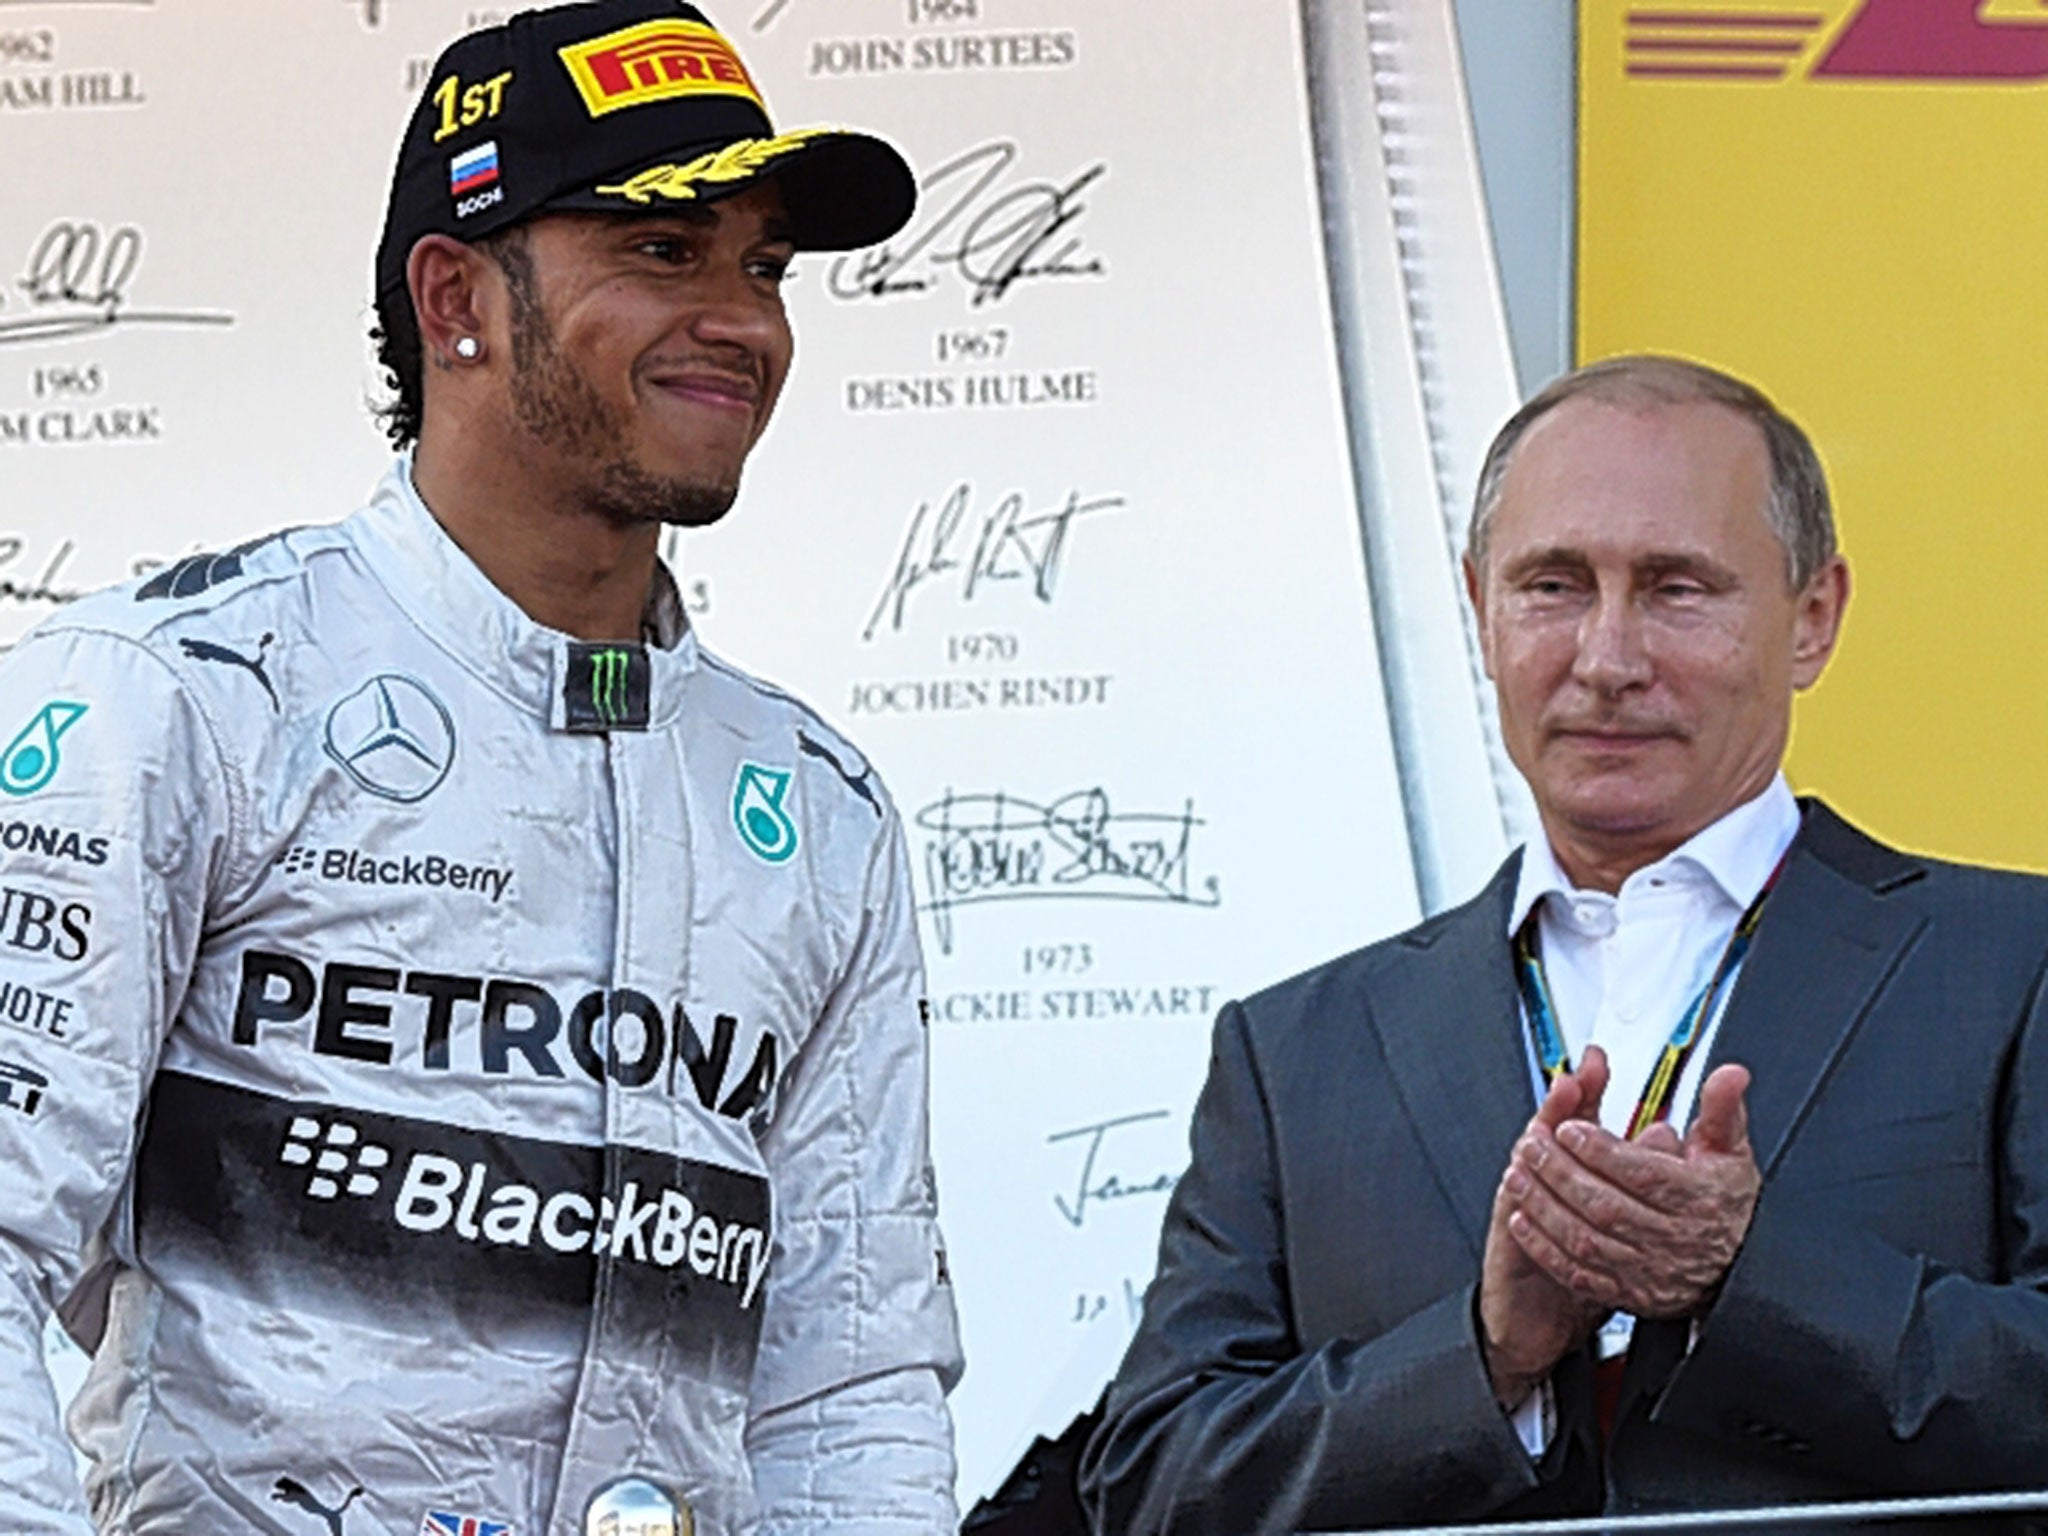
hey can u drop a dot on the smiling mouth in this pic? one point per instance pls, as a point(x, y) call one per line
point(1610, 740)
point(720, 391)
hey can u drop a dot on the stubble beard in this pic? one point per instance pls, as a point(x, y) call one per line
point(557, 405)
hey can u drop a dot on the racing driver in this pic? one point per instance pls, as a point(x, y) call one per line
point(461, 1056)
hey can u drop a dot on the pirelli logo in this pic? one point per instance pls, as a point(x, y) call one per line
point(654, 61)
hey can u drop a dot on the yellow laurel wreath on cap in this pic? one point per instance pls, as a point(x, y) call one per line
point(738, 161)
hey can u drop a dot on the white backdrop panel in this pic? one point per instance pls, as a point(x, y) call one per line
point(1056, 518)
point(1095, 603)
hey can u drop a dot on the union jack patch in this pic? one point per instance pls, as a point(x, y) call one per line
point(440, 1523)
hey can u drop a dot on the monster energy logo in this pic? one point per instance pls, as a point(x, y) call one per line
point(606, 688)
point(608, 671)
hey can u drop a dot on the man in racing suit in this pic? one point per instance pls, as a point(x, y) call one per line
point(461, 1042)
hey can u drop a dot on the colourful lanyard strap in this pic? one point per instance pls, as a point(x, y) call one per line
point(1548, 1041)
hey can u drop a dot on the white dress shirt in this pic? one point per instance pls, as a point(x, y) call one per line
point(1623, 969)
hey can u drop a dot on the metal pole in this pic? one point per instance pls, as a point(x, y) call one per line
point(1740, 1519)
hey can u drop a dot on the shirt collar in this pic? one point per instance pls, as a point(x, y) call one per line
point(1737, 853)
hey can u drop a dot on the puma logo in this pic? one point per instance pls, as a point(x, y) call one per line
point(207, 650)
point(289, 1490)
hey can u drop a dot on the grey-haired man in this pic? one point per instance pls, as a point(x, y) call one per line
point(1777, 1227)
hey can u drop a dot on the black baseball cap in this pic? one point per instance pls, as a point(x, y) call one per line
point(619, 106)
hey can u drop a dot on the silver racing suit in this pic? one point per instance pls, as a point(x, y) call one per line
point(445, 1068)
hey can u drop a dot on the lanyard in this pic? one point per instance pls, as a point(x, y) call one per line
point(1541, 1013)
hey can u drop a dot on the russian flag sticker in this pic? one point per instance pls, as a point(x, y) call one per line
point(473, 168)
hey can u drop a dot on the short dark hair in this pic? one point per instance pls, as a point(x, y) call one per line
point(1799, 509)
point(395, 334)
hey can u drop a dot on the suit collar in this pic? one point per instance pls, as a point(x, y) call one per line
point(1447, 1013)
point(1829, 941)
point(1856, 857)
point(1447, 1020)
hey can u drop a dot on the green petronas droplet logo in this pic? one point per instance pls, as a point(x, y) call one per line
point(31, 759)
point(764, 826)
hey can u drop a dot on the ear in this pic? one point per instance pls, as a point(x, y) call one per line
point(1475, 593)
point(446, 279)
point(1817, 626)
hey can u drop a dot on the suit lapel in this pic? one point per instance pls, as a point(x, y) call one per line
point(1828, 943)
point(1447, 1021)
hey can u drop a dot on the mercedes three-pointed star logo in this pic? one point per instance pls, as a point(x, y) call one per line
point(393, 737)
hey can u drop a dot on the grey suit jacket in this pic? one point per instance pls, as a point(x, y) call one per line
point(1308, 1357)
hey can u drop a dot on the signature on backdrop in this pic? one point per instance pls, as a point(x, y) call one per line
point(77, 281)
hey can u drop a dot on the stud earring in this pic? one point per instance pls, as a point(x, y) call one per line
point(468, 348)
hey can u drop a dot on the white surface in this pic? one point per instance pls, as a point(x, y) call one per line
point(1220, 592)
point(1183, 711)
point(1428, 366)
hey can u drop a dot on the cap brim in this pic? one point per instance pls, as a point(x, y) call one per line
point(843, 190)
